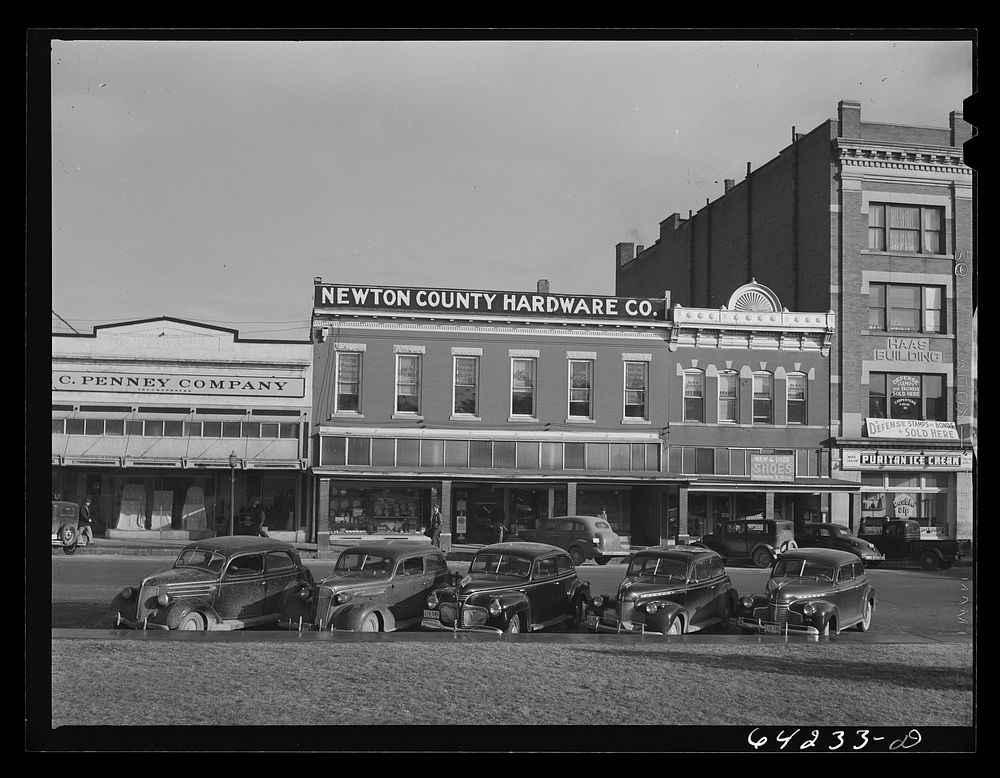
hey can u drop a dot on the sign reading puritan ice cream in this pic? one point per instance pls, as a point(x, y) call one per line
point(378, 298)
point(177, 383)
point(917, 429)
point(955, 461)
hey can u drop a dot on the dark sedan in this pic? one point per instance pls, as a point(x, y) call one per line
point(667, 590)
point(511, 587)
point(220, 584)
point(822, 535)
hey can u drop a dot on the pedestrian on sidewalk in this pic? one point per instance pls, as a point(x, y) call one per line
point(435, 527)
point(86, 520)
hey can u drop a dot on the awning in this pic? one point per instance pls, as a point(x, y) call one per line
point(744, 484)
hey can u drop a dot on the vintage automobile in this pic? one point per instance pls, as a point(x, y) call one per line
point(511, 587)
point(667, 590)
point(582, 537)
point(817, 591)
point(823, 535)
point(377, 587)
point(756, 540)
point(220, 584)
point(65, 526)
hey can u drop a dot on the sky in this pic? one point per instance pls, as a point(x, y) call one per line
point(212, 181)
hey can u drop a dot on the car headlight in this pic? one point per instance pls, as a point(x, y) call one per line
point(163, 599)
point(495, 608)
point(653, 607)
point(808, 609)
point(597, 602)
point(306, 592)
point(871, 546)
point(432, 600)
point(127, 593)
point(747, 602)
point(342, 597)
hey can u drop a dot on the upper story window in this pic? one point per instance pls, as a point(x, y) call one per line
point(581, 385)
point(905, 308)
point(466, 386)
point(407, 383)
point(694, 395)
point(795, 391)
point(763, 398)
point(729, 397)
point(906, 396)
point(636, 390)
point(909, 228)
point(348, 398)
point(522, 387)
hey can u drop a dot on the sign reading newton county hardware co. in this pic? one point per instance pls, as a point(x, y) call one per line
point(912, 428)
point(171, 383)
point(491, 303)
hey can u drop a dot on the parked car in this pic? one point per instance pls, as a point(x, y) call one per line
point(900, 539)
point(759, 541)
point(817, 591)
point(220, 584)
point(511, 587)
point(377, 587)
point(667, 590)
point(821, 535)
point(65, 526)
point(582, 537)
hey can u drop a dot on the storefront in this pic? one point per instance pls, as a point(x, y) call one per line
point(182, 430)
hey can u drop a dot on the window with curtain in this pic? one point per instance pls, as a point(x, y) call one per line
point(694, 395)
point(729, 401)
point(763, 394)
point(906, 228)
point(467, 385)
point(795, 388)
point(905, 308)
point(348, 382)
point(522, 387)
point(407, 383)
point(581, 376)
point(907, 396)
point(636, 378)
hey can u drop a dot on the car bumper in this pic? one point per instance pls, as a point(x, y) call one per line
point(436, 626)
point(597, 623)
point(297, 625)
point(611, 554)
point(775, 627)
point(122, 621)
point(872, 556)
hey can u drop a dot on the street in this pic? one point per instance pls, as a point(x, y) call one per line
point(936, 606)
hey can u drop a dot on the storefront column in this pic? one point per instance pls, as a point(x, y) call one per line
point(552, 502)
point(323, 515)
point(446, 526)
point(838, 508)
point(961, 524)
point(769, 505)
point(571, 498)
point(682, 514)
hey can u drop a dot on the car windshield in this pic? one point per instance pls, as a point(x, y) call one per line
point(658, 566)
point(501, 564)
point(803, 568)
point(356, 563)
point(201, 558)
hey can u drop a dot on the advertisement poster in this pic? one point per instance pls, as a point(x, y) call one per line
point(904, 396)
point(132, 514)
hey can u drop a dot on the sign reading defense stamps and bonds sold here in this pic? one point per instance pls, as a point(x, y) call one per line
point(179, 383)
point(912, 428)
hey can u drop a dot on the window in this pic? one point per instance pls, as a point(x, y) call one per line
point(908, 228)
point(635, 390)
point(581, 376)
point(412, 566)
point(545, 568)
point(279, 560)
point(729, 399)
point(467, 385)
point(348, 382)
point(702, 571)
point(795, 390)
point(694, 395)
point(899, 308)
point(407, 383)
point(704, 461)
point(93, 427)
point(522, 387)
point(244, 566)
point(762, 396)
point(906, 396)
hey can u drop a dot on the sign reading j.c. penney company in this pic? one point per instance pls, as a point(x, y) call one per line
point(332, 296)
point(171, 383)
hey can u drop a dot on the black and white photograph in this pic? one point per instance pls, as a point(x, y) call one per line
point(521, 392)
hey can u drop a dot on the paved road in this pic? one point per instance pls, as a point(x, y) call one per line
point(935, 606)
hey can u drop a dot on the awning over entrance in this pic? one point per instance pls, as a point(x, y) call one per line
point(803, 484)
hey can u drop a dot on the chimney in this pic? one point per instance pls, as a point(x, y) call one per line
point(961, 130)
point(729, 183)
point(625, 252)
point(542, 286)
point(849, 117)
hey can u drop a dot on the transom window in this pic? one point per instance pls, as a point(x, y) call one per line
point(636, 378)
point(522, 387)
point(905, 308)
point(763, 394)
point(407, 383)
point(694, 395)
point(909, 228)
point(906, 396)
point(729, 399)
point(466, 386)
point(581, 378)
point(348, 382)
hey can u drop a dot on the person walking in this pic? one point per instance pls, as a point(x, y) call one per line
point(435, 526)
point(259, 518)
point(86, 520)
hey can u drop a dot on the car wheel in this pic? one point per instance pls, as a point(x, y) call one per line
point(946, 563)
point(761, 557)
point(676, 627)
point(69, 549)
point(576, 618)
point(68, 534)
point(576, 555)
point(866, 617)
point(192, 621)
point(727, 613)
point(514, 625)
point(370, 624)
point(929, 560)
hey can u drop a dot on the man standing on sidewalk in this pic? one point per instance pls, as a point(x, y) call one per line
point(86, 521)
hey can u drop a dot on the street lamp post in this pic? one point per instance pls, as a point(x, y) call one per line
point(232, 489)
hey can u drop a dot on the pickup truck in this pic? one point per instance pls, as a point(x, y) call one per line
point(899, 539)
point(583, 537)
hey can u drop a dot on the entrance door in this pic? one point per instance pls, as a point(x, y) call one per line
point(482, 522)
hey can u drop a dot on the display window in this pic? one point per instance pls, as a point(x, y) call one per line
point(378, 510)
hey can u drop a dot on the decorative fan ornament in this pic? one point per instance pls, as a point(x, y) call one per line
point(753, 301)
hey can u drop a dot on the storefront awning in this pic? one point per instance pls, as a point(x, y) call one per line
point(743, 484)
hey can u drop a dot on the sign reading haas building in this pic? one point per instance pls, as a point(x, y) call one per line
point(170, 383)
